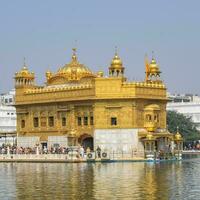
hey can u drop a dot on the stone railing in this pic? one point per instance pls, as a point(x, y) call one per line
point(39, 156)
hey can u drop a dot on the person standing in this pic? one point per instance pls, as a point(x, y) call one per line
point(88, 150)
point(82, 152)
point(98, 152)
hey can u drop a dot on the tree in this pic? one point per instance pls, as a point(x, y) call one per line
point(186, 127)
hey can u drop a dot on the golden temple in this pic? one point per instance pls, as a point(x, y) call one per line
point(78, 106)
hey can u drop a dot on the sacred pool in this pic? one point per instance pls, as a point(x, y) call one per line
point(117, 180)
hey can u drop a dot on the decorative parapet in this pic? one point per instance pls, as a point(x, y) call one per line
point(156, 134)
point(57, 89)
point(144, 84)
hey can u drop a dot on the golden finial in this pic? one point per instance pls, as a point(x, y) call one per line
point(74, 51)
point(152, 55)
point(74, 58)
point(24, 66)
point(116, 50)
point(153, 60)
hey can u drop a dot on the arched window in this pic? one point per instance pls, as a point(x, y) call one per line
point(85, 120)
point(91, 120)
point(51, 121)
point(22, 123)
point(35, 121)
point(148, 117)
point(64, 121)
point(79, 121)
point(113, 121)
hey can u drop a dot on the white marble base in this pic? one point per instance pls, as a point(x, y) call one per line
point(117, 140)
point(28, 141)
point(62, 141)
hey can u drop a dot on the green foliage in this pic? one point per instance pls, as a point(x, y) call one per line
point(185, 126)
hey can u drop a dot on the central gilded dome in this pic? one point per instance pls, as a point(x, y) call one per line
point(73, 71)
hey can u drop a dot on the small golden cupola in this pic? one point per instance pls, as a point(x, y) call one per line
point(178, 141)
point(178, 136)
point(152, 70)
point(24, 78)
point(48, 75)
point(116, 68)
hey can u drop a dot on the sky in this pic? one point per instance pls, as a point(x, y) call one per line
point(44, 32)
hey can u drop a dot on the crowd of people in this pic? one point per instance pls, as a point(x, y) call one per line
point(80, 150)
point(195, 145)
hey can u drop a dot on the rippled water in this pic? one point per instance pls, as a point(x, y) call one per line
point(166, 180)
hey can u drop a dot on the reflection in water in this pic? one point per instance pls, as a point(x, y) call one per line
point(167, 180)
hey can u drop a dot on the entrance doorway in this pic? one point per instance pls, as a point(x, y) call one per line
point(86, 141)
point(44, 145)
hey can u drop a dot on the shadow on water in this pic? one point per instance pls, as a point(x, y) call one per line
point(165, 180)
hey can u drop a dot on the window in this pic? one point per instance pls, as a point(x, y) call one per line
point(79, 121)
point(51, 121)
point(23, 123)
point(64, 121)
point(157, 117)
point(10, 100)
point(85, 121)
point(35, 122)
point(6, 100)
point(91, 120)
point(148, 117)
point(43, 121)
point(113, 121)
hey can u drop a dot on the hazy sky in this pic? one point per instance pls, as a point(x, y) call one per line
point(45, 31)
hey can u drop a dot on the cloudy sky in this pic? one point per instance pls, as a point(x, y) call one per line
point(45, 31)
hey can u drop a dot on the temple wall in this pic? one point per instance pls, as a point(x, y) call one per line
point(52, 141)
point(116, 140)
point(28, 141)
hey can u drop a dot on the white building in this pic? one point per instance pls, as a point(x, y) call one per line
point(188, 105)
point(7, 118)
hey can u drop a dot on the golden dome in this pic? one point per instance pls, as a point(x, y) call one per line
point(116, 62)
point(153, 67)
point(24, 73)
point(75, 70)
point(178, 136)
point(100, 74)
point(48, 74)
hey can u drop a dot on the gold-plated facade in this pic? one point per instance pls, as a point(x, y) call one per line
point(75, 102)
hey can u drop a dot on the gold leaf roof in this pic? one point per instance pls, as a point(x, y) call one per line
point(24, 73)
point(178, 136)
point(73, 71)
point(116, 62)
point(153, 67)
